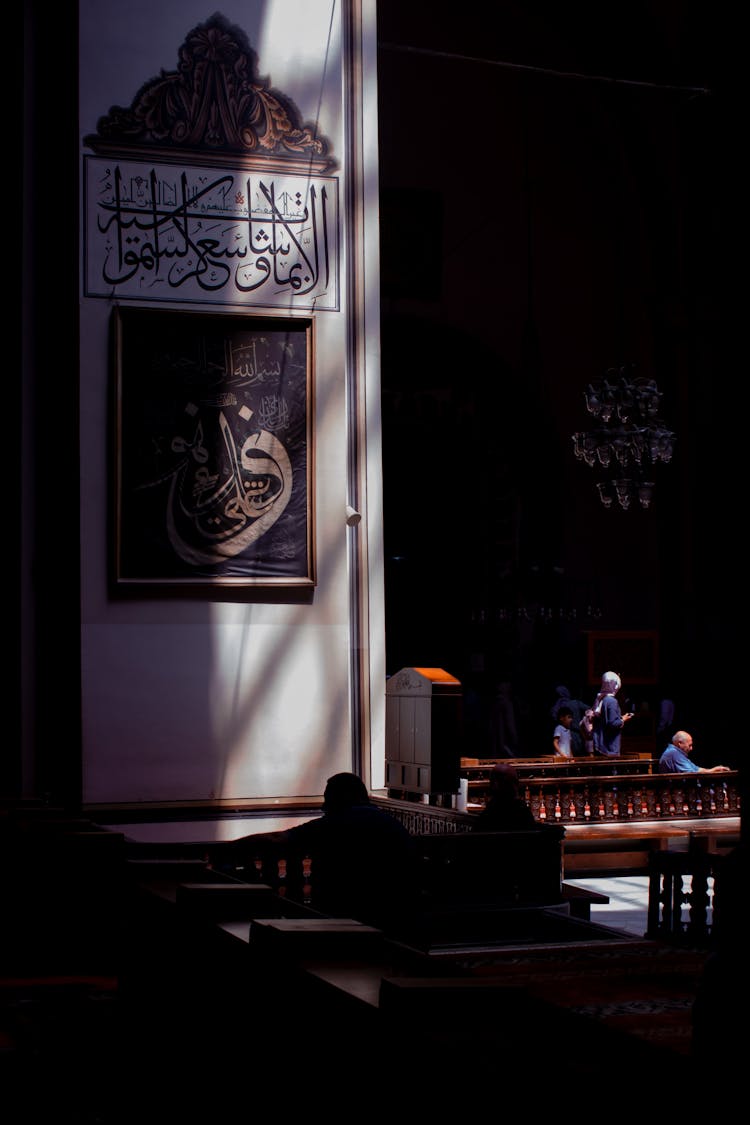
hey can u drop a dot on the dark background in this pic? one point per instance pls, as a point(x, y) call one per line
point(556, 198)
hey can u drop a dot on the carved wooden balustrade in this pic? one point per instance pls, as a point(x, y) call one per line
point(681, 897)
point(420, 819)
point(624, 798)
point(548, 765)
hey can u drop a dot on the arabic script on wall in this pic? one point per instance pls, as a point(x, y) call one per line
point(169, 233)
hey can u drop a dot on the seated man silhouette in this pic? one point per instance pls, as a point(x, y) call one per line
point(361, 856)
point(506, 810)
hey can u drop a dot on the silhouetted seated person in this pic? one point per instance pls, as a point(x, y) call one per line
point(676, 757)
point(361, 856)
point(506, 810)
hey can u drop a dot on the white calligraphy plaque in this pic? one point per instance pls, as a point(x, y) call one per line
point(165, 232)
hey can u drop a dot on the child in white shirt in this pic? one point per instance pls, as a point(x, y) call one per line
point(561, 736)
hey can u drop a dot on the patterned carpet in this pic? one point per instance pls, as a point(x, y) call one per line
point(647, 993)
point(59, 1040)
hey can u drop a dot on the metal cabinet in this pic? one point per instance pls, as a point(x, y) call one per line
point(423, 731)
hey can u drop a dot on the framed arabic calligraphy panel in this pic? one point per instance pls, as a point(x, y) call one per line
point(213, 449)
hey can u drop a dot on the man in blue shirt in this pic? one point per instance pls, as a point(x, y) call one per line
point(675, 758)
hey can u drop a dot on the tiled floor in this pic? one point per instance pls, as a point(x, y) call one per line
point(627, 908)
point(628, 902)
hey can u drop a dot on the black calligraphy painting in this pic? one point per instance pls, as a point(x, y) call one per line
point(213, 449)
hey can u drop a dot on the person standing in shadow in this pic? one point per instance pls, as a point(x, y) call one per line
point(504, 741)
point(578, 709)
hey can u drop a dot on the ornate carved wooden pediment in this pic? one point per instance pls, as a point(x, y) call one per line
point(214, 102)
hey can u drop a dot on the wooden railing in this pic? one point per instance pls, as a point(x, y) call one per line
point(583, 791)
point(420, 819)
point(590, 799)
point(626, 797)
point(551, 766)
point(681, 897)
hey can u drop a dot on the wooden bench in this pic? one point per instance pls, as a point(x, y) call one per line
point(590, 851)
point(581, 899)
point(496, 868)
point(715, 838)
point(593, 850)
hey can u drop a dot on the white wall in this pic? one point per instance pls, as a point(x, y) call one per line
point(241, 696)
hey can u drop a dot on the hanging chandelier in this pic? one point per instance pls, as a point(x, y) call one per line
point(629, 440)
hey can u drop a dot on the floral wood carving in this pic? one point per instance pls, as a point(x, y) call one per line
point(214, 101)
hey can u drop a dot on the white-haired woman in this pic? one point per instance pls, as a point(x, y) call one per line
point(608, 719)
